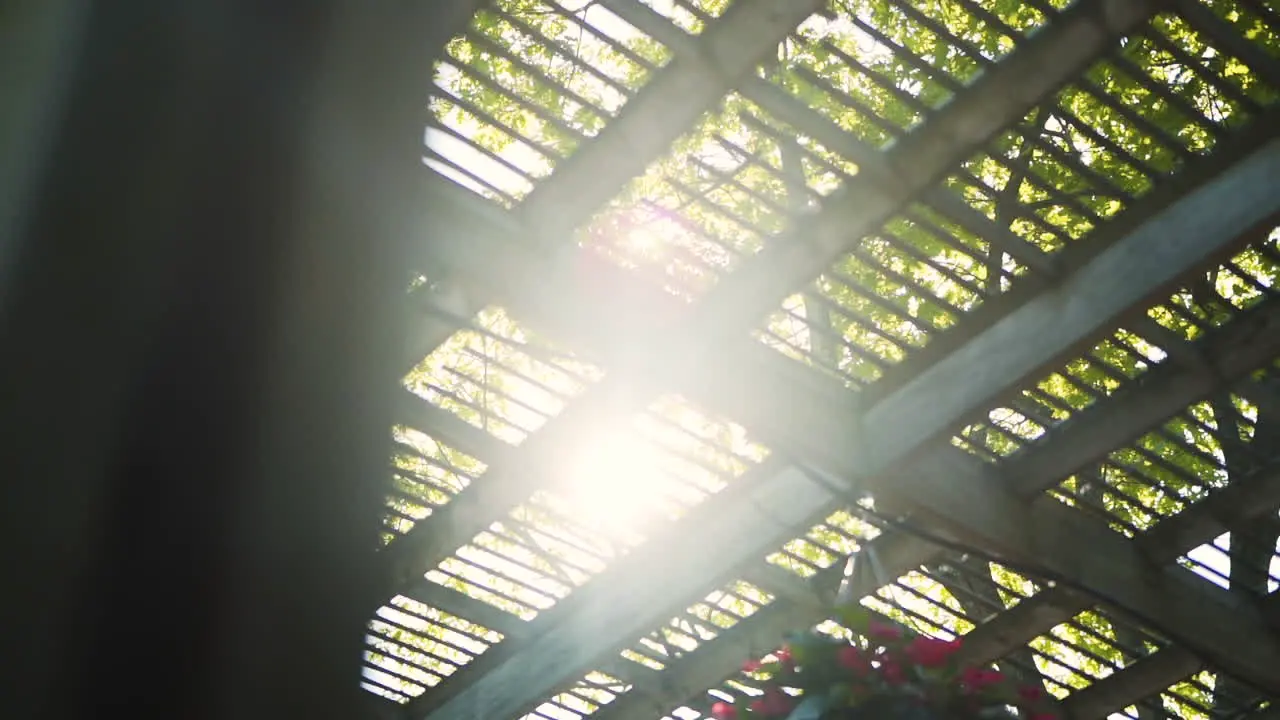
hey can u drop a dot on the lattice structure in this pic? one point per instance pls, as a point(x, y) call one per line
point(729, 291)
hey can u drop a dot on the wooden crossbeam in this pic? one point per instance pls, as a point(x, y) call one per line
point(740, 378)
point(1002, 96)
point(1090, 557)
point(1162, 545)
point(796, 607)
point(691, 84)
point(670, 350)
point(1186, 236)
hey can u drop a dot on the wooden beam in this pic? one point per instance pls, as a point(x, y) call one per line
point(1226, 39)
point(447, 427)
point(1154, 674)
point(727, 52)
point(576, 633)
point(1195, 380)
point(512, 627)
point(1247, 346)
point(999, 98)
point(511, 477)
point(1197, 525)
point(751, 383)
point(1092, 558)
point(798, 606)
point(1213, 218)
point(611, 603)
point(1148, 676)
point(1205, 225)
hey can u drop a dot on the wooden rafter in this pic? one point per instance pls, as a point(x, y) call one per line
point(1208, 222)
point(1170, 388)
point(690, 85)
point(1069, 444)
point(1090, 26)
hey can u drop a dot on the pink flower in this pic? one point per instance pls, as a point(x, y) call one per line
point(751, 666)
point(880, 631)
point(774, 702)
point(977, 679)
point(892, 672)
point(931, 652)
point(853, 659)
point(723, 711)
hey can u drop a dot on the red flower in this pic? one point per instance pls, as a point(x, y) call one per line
point(1030, 693)
point(977, 679)
point(784, 655)
point(892, 672)
point(931, 652)
point(853, 659)
point(774, 702)
point(751, 666)
point(723, 711)
point(880, 631)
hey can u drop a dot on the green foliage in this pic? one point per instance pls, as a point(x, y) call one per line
point(532, 86)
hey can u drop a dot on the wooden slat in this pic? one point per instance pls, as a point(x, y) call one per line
point(980, 510)
point(899, 554)
point(662, 111)
point(759, 517)
point(1201, 616)
point(1197, 231)
point(996, 100)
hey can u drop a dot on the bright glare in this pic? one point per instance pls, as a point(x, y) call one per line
point(611, 482)
point(644, 241)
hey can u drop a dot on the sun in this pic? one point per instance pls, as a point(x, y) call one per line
point(613, 482)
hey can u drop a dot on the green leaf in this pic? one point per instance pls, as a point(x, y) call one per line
point(854, 616)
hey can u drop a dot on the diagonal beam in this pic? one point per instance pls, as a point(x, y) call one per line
point(510, 626)
point(1001, 97)
point(761, 515)
point(690, 85)
point(1147, 677)
point(1219, 513)
point(1185, 237)
point(1236, 350)
point(799, 606)
point(998, 99)
point(1230, 352)
point(979, 510)
point(1203, 617)
point(1153, 674)
point(694, 82)
point(1055, 326)
point(669, 347)
point(1204, 227)
point(626, 330)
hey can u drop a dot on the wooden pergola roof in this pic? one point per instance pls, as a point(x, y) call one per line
point(981, 294)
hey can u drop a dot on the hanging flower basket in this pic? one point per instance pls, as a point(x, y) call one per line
point(885, 674)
